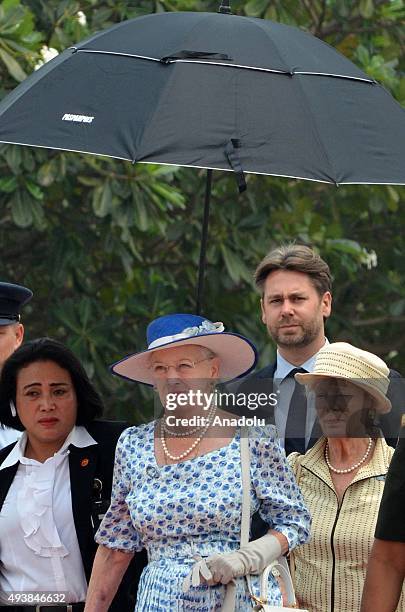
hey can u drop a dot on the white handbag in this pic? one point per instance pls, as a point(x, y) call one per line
point(278, 568)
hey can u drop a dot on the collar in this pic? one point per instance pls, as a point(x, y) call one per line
point(284, 367)
point(314, 461)
point(79, 437)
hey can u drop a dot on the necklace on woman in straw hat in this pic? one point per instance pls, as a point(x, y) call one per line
point(353, 467)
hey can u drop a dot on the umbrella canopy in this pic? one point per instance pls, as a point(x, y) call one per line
point(214, 91)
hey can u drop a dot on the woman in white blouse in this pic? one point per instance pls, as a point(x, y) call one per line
point(54, 481)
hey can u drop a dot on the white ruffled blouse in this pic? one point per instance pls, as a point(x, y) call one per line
point(39, 550)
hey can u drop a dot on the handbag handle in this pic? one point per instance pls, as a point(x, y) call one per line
point(246, 484)
point(297, 469)
point(280, 566)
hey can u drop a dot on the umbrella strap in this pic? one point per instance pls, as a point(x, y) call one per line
point(185, 54)
point(234, 161)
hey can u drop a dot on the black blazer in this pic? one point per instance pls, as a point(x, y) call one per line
point(89, 467)
point(390, 523)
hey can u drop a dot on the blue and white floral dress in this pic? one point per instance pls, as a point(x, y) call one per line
point(194, 508)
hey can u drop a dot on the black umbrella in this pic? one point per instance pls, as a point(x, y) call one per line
point(214, 91)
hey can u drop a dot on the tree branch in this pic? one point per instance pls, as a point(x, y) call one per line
point(321, 18)
point(378, 321)
point(336, 26)
point(311, 11)
point(383, 349)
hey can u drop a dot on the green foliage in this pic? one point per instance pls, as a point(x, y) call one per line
point(107, 246)
point(18, 40)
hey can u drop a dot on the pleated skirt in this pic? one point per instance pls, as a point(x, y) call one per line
point(160, 590)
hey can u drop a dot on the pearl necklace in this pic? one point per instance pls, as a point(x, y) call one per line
point(178, 434)
point(353, 467)
point(196, 442)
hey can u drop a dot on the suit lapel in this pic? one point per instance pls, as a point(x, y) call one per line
point(268, 371)
point(316, 433)
point(6, 478)
point(262, 382)
point(7, 475)
point(82, 467)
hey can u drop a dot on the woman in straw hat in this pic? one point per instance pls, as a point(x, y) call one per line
point(341, 477)
point(177, 489)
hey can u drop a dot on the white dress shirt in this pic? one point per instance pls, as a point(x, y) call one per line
point(8, 436)
point(284, 387)
point(39, 550)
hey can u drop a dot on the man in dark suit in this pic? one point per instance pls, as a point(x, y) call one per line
point(296, 300)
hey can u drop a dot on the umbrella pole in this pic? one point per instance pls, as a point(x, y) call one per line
point(204, 238)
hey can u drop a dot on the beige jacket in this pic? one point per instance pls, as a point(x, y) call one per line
point(330, 569)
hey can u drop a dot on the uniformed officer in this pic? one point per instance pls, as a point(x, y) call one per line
point(12, 298)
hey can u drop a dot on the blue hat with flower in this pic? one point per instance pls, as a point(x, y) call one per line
point(237, 354)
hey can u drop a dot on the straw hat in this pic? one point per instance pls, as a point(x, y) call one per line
point(237, 354)
point(342, 360)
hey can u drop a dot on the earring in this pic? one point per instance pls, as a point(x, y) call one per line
point(12, 408)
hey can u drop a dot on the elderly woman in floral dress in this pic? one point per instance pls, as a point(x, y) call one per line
point(177, 488)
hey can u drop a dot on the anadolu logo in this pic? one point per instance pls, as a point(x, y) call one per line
point(77, 118)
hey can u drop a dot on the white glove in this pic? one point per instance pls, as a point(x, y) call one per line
point(224, 568)
point(250, 559)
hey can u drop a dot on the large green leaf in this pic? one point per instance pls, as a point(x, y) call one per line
point(366, 8)
point(8, 184)
point(13, 66)
point(21, 210)
point(235, 266)
point(102, 200)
